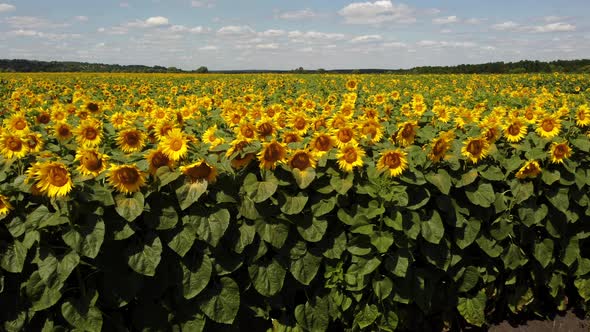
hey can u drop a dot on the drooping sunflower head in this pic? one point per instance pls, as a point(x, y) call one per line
point(246, 131)
point(350, 156)
point(393, 161)
point(530, 169)
point(322, 143)
point(34, 142)
point(301, 159)
point(174, 145)
point(157, 158)
point(475, 149)
point(126, 178)
point(198, 171)
point(5, 206)
point(240, 159)
point(440, 146)
point(210, 137)
point(406, 133)
point(372, 130)
point(548, 127)
point(515, 130)
point(265, 128)
point(52, 179)
point(291, 137)
point(163, 128)
point(92, 162)
point(89, 133)
point(131, 140)
point(559, 152)
point(272, 153)
point(62, 131)
point(13, 146)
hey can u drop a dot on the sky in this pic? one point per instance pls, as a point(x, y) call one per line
point(265, 34)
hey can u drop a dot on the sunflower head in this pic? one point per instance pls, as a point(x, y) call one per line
point(34, 142)
point(210, 137)
point(272, 153)
point(583, 116)
point(43, 118)
point(322, 143)
point(393, 162)
point(406, 133)
point(13, 146)
point(530, 170)
point(302, 160)
point(131, 140)
point(291, 137)
point(350, 156)
point(174, 145)
point(92, 162)
point(5, 206)
point(198, 171)
point(548, 127)
point(559, 152)
point(17, 123)
point(52, 179)
point(89, 133)
point(440, 146)
point(156, 159)
point(62, 131)
point(515, 130)
point(475, 149)
point(126, 178)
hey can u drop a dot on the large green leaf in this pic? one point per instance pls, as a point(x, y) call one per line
point(367, 316)
point(190, 193)
point(544, 252)
point(382, 287)
point(267, 277)
point(82, 315)
point(129, 207)
point(12, 258)
point(221, 301)
point(273, 231)
point(312, 229)
point(183, 241)
point(87, 239)
point(442, 180)
point(294, 204)
point(465, 236)
point(210, 229)
point(433, 230)
point(196, 272)
point(313, 317)
point(469, 279)
point(482, 195)
point(472, 308)
point(145, 256)
point(305, 268)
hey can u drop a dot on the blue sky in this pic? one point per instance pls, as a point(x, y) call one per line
point(264, 34)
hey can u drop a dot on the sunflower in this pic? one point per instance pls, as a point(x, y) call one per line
point(475, 149)
point(91, 161)
point(272, 153)
point(548, 127)
point(515, 130)
point(321, 143)
point(492, 134)
point(92, 107)
point(17, 123)
point(291, 137)
point(34, 142)
point(394, 161)
point(407, 133)
point(344, 135)
point(156, 159)
point(198, 171)
point(299, 122)
point(302, 159)
point(89, 133)
point(350, 156)
point(174, 145)
point(347, 110)
point(163, 128)
point(440, 146)
point(559, 151)
point(319, 123)
point(530, 169)
point(13, 146)
point(118, 120)
point(126, 178)
point(246, 131)
point(241, 159)
point(371, 130)
point(131, 140)
point(53, 179)
point(5, 206)
point(265, 128)
point(441, 113)
point(59, 114)
point(583, 116)
point(351, 84)
point(337, 122)
point(210, 137)
point(43, 118)
point(62, 131)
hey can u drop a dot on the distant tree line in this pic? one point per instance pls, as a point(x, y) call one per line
point(525, 66)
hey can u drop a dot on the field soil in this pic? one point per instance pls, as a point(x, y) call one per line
point(570, 322)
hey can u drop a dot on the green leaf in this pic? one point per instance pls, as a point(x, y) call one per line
point(521, 191)
point(433, 230)
point(260, 191)
point(183, 241)
point(196, 272)
point(342, 185)
point(212, 228)
point(399, 263)
point(489, 246)
point(294, 204)
point(492, 173)
point(305, 268)
point(534, 215)
point(312, 230)
point(513, 257)
point(82, 316)
point(382, 287)
point(273, 231)
point(248, 209)
point(87, 239)
point(559, 198)
point(467, 178)
point(544, 252)
point(550, 176)
point(12, 258)
point(323, 207)
point(581, 143)
point(465, 236)
point(246, 236)
point(41, 294)
point(367, 316)
point(221, 301)
point(472, 308)
point(572, 251)
point(583, 286)
point(483, 195)
point(304, 178)
point(129, 207)
point(268, 277)
point(313, 318)
point(190, 193)
point(469, 279)
point(442, 180)
point(382, 241)
point(145, 257)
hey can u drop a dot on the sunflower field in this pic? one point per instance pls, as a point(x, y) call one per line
point(290, 202)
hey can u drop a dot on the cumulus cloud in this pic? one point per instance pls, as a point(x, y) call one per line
point(315, 35)
point(394, 45)
point(271, 46)
point(272, 33)
point(184, 29)
point(377, 12)
point(298, 14)
point(508, 25)
point(5, 8)
point(446, 20)
point(208, 48)
point(235, 30)
point(366, 38)
point(435, 43)
point(551, 27)
point(32, 22)
point(44, 35)
point(150, 22)
point(555, 27)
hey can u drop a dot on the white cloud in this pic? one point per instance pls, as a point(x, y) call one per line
point(298, 14)
point(185, 29)
point(208, 48)
point(474, 21)
point(32, 22)
point(81, 18)
point(434, 43)
point(114, 30)
point(551, 19)
point(202, 4)
point(44, 35)
point(23, 33)
point(394, 45)
point(508, 25)
point(272, 33)
point(446, 20)
point(5, 8)
point(555, 27)
point(446, 31)
point(272, 46)
point(377, 12)
point(235, 30)
point(366, 38)
point(315, 35)
point(156, 21)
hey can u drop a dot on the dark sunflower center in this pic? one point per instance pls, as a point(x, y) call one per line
point(300, 123)
point(560, 151)
point(350, 155)
point(323, 143)
point(408, 131)
point(290, 138)
point(339, 122)
point(301, 161)
point(91, 162)
point(475, 147)
point(514, 129)
point(64, 131)
point(20, 124)
point(90, 133)
point(43, 118)
point(176, 144)
point(58, 176)
point(548, 125)
point(92, 107)
point(345, 135)
point(265, 129)
point(369, 129)
point(128, 176)
point(274, 152)
point(392, 160)
point(319, 124)
point(581, 115)
point(132, 138)
point(14, 144)
point(201, 171)
point(159, 159)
